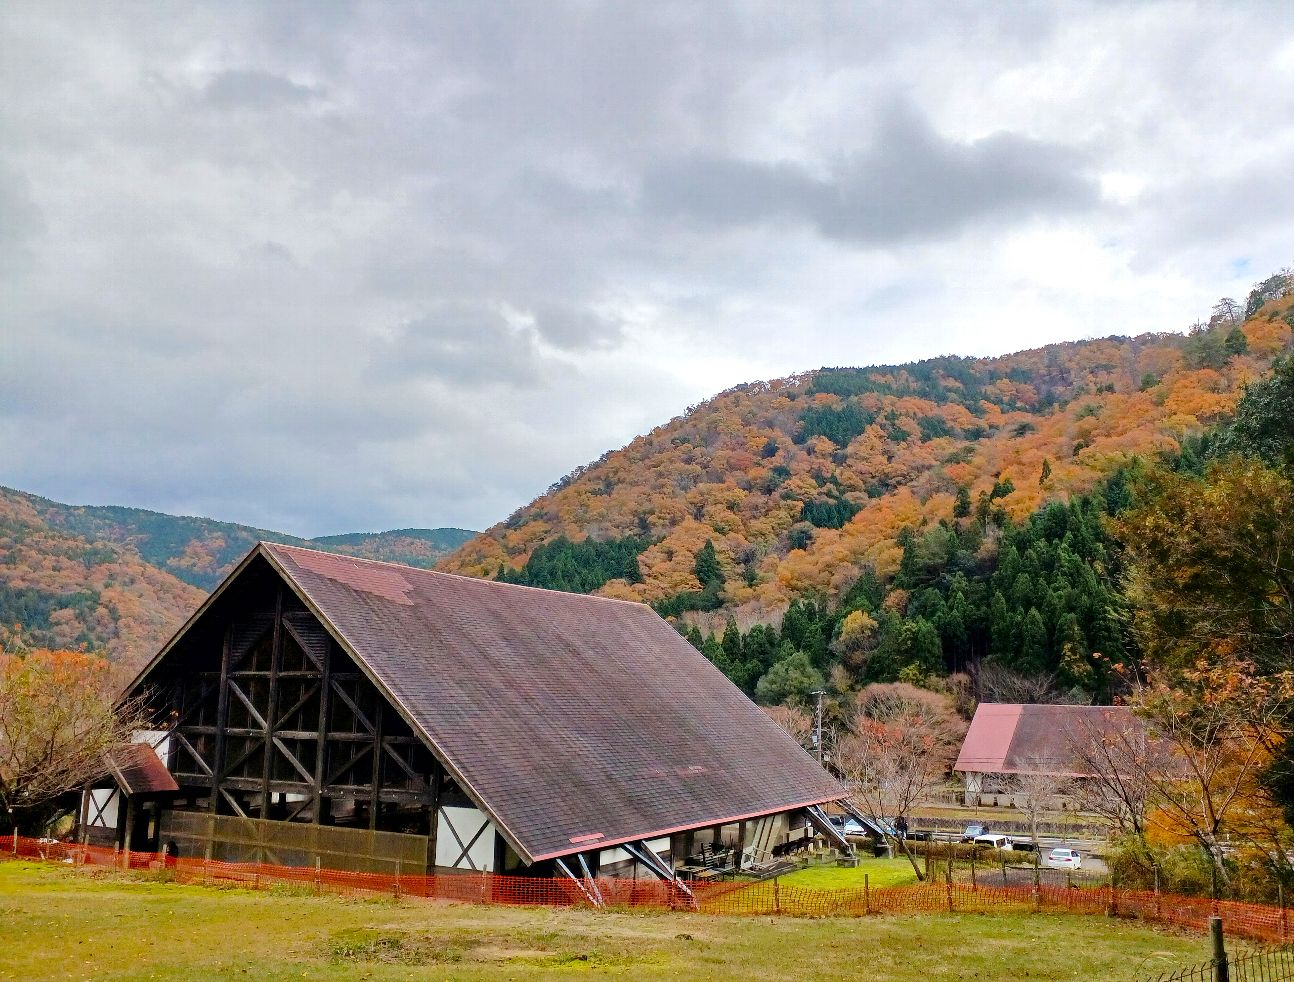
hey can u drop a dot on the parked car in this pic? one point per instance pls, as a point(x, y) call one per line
point(974, 831)
point(848, 825)
point(1063, 858)
point(993, 841)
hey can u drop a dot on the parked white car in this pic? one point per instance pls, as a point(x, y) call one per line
point(1062, 858)
point(994, 841)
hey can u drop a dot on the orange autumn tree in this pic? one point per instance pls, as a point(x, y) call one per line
point(58, 718)
point(1216, 729)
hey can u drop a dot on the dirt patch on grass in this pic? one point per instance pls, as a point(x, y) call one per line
point(544, 949)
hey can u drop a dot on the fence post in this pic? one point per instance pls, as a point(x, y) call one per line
point(317, 878)
point(1222, 968)
point(972, 861)
point(867, 894)
point(1159, 901)
point(1280, 899)
point(777, 895)
point(397, 879)
point(1004, 883)
point(1037, 879)
point(15, 839)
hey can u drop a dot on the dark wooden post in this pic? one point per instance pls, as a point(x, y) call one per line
point(1221, 967)
point(222, 722)
point(437, 778)
point(375, 800)
point(321, 748)
point(129, 831)
point(272, 707)
point(867, 894)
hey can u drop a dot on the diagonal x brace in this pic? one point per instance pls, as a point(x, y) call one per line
point(561, 865)
point(818, 819)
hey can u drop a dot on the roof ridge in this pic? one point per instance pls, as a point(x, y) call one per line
point(456, 576)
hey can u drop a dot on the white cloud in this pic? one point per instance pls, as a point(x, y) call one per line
point(331, 267)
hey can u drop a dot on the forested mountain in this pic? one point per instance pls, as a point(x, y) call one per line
point(200, 551)
point(120, 580)
point(896, 521)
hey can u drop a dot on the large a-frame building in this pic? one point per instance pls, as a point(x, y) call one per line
point(363, 715)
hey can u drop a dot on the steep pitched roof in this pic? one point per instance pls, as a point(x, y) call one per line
point(1010, 738)
point(575, 721)
point(139, 771)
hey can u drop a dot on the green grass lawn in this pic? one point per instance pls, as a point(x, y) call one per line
point(62, 924)
point(879, 873)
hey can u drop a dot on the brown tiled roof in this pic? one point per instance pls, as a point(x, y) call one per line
point(138, 770)
point(1010, 738)
point(574, 720)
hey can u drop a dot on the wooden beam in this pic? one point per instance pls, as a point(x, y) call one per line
point(271, 711)
point(321, 747)
point(374, 800)
point(222, 718)
point(437, 778)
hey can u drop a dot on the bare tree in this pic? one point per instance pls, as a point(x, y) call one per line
point(57, 721)
point(795, 721)
point(997, 683)
point(1036, 789)
point(1116, 758)
point(1227, 311)
point(892, 760)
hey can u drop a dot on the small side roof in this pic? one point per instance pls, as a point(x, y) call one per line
point(1014, 738)
point(139, 771)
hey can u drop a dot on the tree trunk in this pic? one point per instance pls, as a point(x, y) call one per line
point(903, 846)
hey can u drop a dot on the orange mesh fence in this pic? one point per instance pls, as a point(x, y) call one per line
point(771, 897)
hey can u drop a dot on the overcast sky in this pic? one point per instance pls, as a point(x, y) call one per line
point(323, 267)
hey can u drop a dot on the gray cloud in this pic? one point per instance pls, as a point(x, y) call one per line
point(251, 89)
point(322, 267)
point(909, 183)
point(467, 345)
point(574, 328)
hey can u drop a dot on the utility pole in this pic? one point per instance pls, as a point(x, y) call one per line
point(817, 723)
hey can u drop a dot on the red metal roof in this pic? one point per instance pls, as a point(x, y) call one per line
point(1010, 738)
point(572, 719)
point(139, 771)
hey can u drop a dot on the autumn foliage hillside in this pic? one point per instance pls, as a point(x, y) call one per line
point(121, 580)
point(61, 590)
point(801, 483)
point(201, 551)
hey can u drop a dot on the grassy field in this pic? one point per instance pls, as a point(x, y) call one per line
point(60, 924)
point(879, 873)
